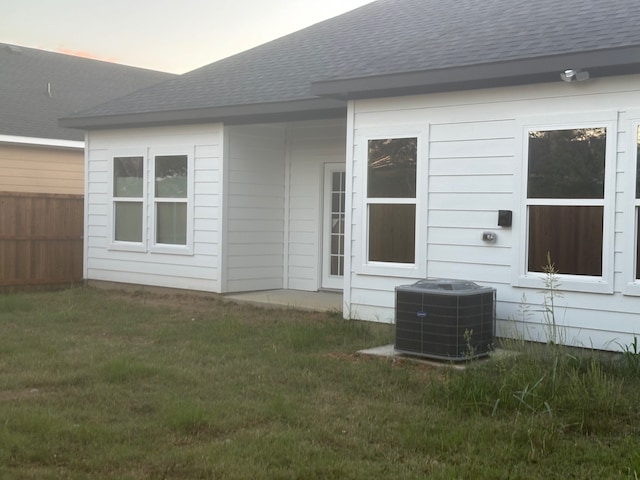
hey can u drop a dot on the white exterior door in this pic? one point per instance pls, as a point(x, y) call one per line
point(333, 226)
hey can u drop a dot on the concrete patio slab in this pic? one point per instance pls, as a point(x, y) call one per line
point(313, 301)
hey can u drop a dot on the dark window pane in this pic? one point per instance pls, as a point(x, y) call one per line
point(336, 244)
point(127, 177)
point(338, 181)
point(392, 233)
point(171, 225)
point(572, 235)
point(337, 223)
point(567, 163)
point(335, 265)
point(638, 244)
point(335, 202)
point(171, 176)
point(128, 221)
point(392, 168)
point(638, 166)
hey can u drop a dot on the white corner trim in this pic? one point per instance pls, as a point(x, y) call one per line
point(42, 142)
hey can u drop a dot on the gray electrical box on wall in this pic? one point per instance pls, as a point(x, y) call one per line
point(505, 218)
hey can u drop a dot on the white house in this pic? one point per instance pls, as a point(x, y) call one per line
point(381, 147)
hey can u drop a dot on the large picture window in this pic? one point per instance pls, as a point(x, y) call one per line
point(566, 199)
point(391, 200)
point(128, 200)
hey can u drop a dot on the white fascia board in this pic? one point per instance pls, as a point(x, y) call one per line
point(42, 142)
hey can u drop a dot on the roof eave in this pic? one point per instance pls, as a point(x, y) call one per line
point(313, 108)
point(606, 62)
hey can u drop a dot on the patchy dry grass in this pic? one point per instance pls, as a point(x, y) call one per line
point(97, 384)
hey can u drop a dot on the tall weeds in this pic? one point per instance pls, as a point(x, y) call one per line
point(569, 385)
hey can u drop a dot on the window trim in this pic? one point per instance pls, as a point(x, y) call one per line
point(154, 247)
point(631, 206)
point(418, 268)
point(521, 277)
point(148, 244)
point(111, 228)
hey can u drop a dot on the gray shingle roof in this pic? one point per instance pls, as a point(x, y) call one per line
point(27, 76)
point(386, 37)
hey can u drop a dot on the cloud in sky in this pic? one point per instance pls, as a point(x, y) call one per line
point(170, 35)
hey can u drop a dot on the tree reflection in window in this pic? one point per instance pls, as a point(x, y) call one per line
point(392, 168)
point(567, 163)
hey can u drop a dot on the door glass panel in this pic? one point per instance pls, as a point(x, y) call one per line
point(337, 223)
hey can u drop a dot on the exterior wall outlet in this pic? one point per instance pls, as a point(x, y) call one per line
point(489, 237)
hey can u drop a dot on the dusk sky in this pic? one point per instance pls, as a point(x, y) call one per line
point(170, 35)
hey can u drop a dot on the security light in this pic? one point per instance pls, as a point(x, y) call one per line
point(570, 74)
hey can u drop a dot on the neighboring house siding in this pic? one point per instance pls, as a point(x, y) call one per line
point(198, 270)
point(255, 196)
point(473, 169)
point(311, 146)
point(41, 170)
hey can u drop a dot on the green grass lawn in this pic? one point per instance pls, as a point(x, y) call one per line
point(98, 384)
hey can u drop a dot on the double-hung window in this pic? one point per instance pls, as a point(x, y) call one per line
point(637, 205)
point(164, 206)
point(633, 220)
point(391, 201)
point(568, 205)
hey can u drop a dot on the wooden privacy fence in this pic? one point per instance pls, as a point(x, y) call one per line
point(40, 239)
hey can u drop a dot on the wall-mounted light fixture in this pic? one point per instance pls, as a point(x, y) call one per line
point(570, 74)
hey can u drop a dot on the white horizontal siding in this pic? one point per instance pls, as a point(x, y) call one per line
point(311, 145)
point(472, 162)
point(197, 271)
point(254, 239)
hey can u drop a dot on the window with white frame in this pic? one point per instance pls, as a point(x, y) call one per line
point(391, 200)
point(637, 205)
point(164, 205)
point(565, 198)
point(170, 199)
point(128, 199)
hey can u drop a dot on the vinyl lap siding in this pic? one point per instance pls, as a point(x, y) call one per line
point(255, 208)
point(41, 170)
point(311, 146)
point(473, 170)
point(198, 271)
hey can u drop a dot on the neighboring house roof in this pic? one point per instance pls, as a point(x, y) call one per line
point(38, 87)
point(392, 47)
